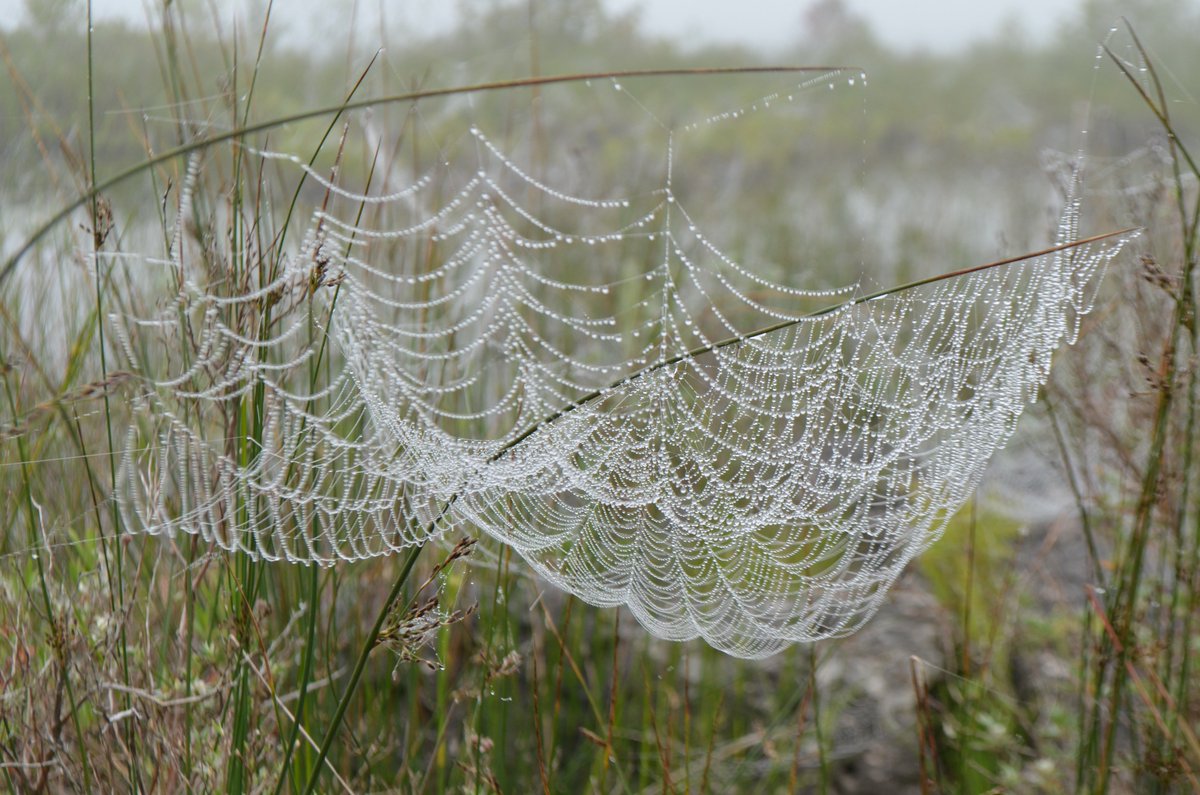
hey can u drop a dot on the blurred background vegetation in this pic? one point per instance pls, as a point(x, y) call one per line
point(1046, 644)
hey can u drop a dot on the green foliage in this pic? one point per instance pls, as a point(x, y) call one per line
point(152, 664)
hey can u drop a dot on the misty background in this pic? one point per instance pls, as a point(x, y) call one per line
point(958, 150)
point(939, 25)
point(951, 154)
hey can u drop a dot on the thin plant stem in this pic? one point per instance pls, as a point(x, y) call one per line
point(57, 632)
point(360, 665)
point(1085, 517)
point(1123, 602)
point(98, 240)
point(818, 732)
point(285, 771)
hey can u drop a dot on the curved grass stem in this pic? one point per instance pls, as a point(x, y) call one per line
point(360, 665)
point(785, 324)
point(412, 96)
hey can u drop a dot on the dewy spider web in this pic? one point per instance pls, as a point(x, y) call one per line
point(482, 347)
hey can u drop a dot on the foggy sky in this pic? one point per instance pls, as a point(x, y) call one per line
point(941, 25)
point(934, 24)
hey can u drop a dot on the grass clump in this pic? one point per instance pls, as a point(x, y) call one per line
point(141, 663)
